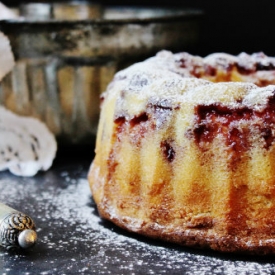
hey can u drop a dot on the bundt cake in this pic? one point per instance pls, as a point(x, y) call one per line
point(185, 151)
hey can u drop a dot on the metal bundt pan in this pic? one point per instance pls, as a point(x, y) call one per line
point(67, 53)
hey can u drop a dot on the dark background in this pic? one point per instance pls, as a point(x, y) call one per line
point(228, 26)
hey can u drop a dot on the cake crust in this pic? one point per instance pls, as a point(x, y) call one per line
point(185, 151)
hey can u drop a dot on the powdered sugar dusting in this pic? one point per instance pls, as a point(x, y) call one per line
point(188, 79)
point(73, 239)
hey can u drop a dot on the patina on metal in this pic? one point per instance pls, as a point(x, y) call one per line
point(67, 53)
point(17, 230)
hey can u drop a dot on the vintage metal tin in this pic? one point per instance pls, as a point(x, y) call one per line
point(64, 64)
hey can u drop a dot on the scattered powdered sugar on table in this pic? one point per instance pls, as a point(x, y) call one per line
point(73, 239)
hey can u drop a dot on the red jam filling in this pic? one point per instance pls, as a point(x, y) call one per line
point(167, 150)
point(215, 119)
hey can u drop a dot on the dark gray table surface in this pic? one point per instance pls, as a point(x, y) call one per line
point(73, 239)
